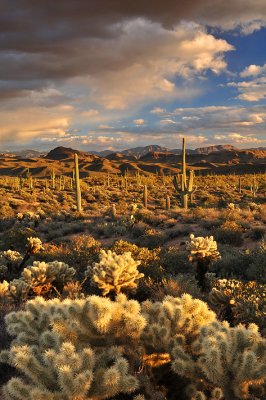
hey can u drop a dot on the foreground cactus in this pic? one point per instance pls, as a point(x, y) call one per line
point(68, 350)
point(115, 272)
point(175, 319)
point(95, 348)
point(233, 359)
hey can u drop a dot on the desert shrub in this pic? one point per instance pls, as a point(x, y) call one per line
point(174, 286)
point(150, 217)
point(152, 238)
point(178, 231)
point(110, 228)
point(16, 238)
point(233, 262)
point(139, 229)
point(249, 264)
point(229, 233)
point(256, 268)
point(175, 261)
point(77, 252)
point(6, 224)
point(6, 211)
point(245, 300)
point(257, 232)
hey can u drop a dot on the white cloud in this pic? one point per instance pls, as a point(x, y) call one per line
point(157, 110)
point(253, 90)
point(141, 64)
point(167, 121)
point(139, 121)
point(253, 70)
point(239, 138)
point(90, 113)
point(104, 126)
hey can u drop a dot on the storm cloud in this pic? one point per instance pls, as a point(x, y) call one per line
point(61, 59)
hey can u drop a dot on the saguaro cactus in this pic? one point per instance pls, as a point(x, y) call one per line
point(254, 187)
point(77, 184)
point(53, 178)
point(145, 196)
point(168, 203)
point(186, 188)
point(240, 184)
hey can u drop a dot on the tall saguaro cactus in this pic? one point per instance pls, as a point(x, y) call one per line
point(145, 196)
point(184, 187)
point(77, 184)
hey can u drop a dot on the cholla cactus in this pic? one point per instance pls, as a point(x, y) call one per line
point(133, 208)
point(20, 216)
point(30, 218)
point(4, 291)
point(94, 321)
point(34, 245)
point(231, 206)
point(175, 319)
point(232, 359)
point(115, 272)
point(201, 247)
point(11, 256)
point(202, 251)
point(9, 260)
point(67, 350)
point(19, 290)
point(42, 274)
point(61, 371)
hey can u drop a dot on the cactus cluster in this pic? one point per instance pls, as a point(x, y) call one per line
point(93, 347)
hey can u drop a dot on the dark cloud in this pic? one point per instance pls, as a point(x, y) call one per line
point(112, 54)
point(46, 40)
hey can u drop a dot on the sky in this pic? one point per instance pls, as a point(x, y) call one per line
point(117, 74)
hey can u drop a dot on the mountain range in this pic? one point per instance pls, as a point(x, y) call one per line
point(136, 152)
point(147, 160)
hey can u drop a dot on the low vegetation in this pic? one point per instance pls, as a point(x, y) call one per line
point(133, 287)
